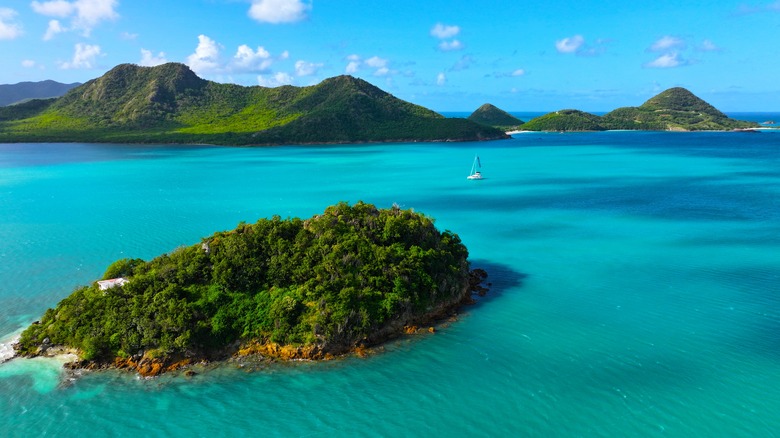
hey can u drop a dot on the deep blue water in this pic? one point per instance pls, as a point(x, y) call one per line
point(636, 285)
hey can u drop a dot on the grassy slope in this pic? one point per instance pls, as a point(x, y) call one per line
point(169, 103)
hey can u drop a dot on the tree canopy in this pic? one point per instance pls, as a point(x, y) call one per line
point(332, 281)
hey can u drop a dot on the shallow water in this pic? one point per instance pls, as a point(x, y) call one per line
point(635, 285)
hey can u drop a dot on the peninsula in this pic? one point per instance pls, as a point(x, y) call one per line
point(675, 109)
point(338, 282)
point(170, 104)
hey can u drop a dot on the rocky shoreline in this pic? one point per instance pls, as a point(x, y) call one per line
point(148, 367)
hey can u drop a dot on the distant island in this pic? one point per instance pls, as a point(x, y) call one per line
point(338, 282)
point(491, 115)
point(170, 104)
point(675, 109)
point(11, 94)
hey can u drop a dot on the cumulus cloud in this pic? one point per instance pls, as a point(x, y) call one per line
point(304, 68)
point(380, 66)
point(666, 43)
point(279, 11)
point(248, 60)
point(570, 44)
point(206, 56)
point(54, 28)
point(667, 60)
point(9, 28)
point(446, 33)
point(148, 59)
point(84, 56)
point(84, 15)
point(275, 80)
point(127, 36)
point(518, 72)
point(28, 63)
point(441, 79)
point(442, 31)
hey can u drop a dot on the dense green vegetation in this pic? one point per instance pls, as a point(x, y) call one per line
point(565, 120)
point(673, 109)
point(491, 115)
point(332, 280)
point(170, 104)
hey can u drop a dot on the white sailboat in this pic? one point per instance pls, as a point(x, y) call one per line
point(475, 173)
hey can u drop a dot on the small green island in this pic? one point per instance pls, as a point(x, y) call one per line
point(675, 109)
point(170, 104)
point(335, 283)
point(491, 115)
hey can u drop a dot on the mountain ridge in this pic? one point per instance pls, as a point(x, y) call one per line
point(171, 104)
point(11, 94)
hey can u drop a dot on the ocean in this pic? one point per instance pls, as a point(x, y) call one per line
point(635, 286)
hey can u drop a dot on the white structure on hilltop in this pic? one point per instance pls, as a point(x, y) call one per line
point(113, 282)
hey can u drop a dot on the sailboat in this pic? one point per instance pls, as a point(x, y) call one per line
point(475, 174)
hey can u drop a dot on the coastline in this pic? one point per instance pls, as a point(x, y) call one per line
point(149, 367)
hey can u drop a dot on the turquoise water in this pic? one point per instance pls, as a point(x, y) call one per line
point(636, 286)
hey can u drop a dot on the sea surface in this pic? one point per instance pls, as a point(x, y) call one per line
point(635, 286)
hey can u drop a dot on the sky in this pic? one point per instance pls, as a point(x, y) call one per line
point(447, 55)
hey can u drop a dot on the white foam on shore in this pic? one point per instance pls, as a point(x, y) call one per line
point(7, 348)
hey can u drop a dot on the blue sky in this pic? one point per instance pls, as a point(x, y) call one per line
point(448, 55)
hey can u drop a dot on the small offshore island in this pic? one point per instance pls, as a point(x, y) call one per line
point(675, 109)
point(336, 283)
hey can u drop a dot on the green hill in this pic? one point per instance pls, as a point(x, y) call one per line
point(491, 115)
point(564, 120)
point(170, 104)
point(350, 277)
point(674, 109)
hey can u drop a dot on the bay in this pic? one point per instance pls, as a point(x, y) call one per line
point(635, 285)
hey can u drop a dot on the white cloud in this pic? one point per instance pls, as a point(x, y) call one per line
point(206, 56)
point(84, 14)
point(127, 36)
point(84, 57)
point(149, 60)
point(441, 79)
point(279, 11)
point(449, 46)
point(54, 28)
point(28, 63)
point(380, 66)
point(667, 60)
point(352, 67)
point(276, 80)
point(570, 44)
point(666, 43)
point(518, 72)
point(442, 31)
point(55, 8)
point(376, 62)
point(708, 46)
point(248, 60)
point(9, 28)
point(303, 68)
